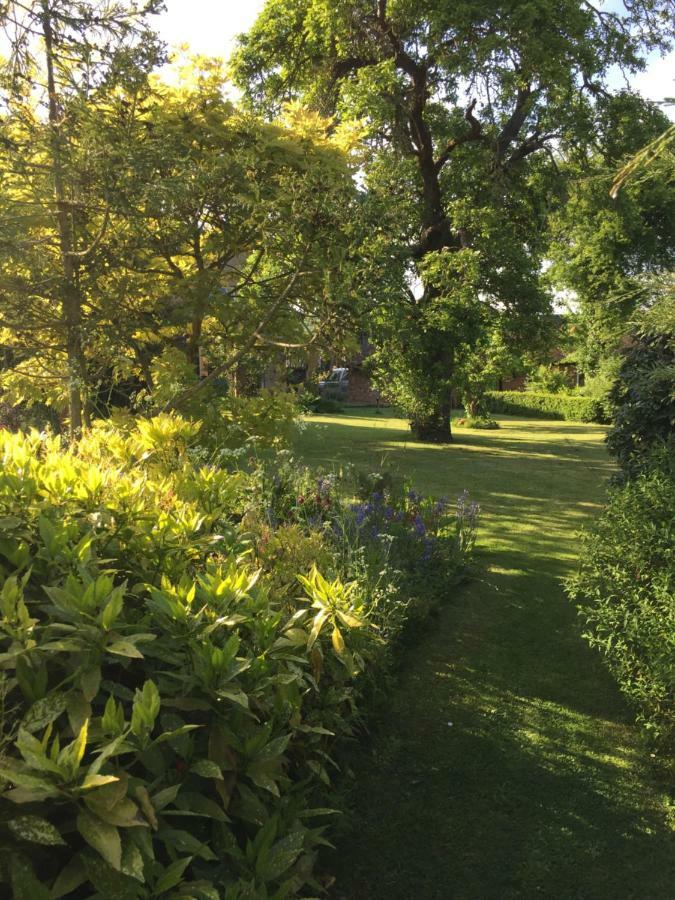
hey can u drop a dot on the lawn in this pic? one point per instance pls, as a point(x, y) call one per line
point(504, 763)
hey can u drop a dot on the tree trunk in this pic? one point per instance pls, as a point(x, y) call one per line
point(71, 304)
point(435, 428)
point(471, 407)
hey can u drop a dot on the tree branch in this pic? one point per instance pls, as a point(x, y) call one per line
point(83, 254)
point(531, 144)
point(515, 122)
point(230, 364)
point(475, 134)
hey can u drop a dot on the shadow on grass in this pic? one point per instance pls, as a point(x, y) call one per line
point(504, 764)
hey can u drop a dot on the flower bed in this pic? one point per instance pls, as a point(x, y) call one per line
point(181, 649)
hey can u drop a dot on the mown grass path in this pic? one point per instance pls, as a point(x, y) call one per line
point(504, 763)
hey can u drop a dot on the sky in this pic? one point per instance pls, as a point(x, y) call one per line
point(210, 27)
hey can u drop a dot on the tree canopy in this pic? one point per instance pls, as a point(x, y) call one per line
point(464, 106)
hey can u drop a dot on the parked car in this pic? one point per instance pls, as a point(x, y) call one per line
point(336, 386)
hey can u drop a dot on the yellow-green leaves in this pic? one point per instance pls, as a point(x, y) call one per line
point(70, 757)
point(335, 604)
point(144, 711)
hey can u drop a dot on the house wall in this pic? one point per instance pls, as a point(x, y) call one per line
point(516, 383)
point(361, 390)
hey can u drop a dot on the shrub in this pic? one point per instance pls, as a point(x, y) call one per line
point(571, 407)
point(547, 379)
point(599, 385)
point(626, 592)
point(260, 422)
point(644, 400)
point(175, 668)
point(481, 423)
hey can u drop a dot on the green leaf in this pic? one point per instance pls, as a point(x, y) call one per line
point(172, 875)
point(115, 747)
point(124, 648)
point(7, 522)
point(206, 768)
point(36, 830)
point(90, 682)
point(319, 811)
point(72, 876)
point(108, 795)
point(79, 710)
point(25, 885)
point(97, 781)
point(199, 805)
point(112, 609)
point(236, 696)
point(319, 620)
point(132, 861)
point(34, 753)
point(71, 755)
point(104, 838)
point(184, 842)
point(338, 641)
point(249, 807)
point(110, 883)
point(274, 749)
point(27, 781)
point(145, 709)
point(178, 732)
point(263, 779)
point(45, 711)
point(282, 855)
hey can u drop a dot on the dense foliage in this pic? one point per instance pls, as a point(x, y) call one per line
point(463, 107)
point(607, 246)
point(181, 647)
point(572, 407)
point(626, 585)
point(142, 221)
point(644, 393)
point(626, 591)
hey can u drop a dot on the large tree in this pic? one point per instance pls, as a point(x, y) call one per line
point(463, 104)
point(232, 235)
point(194, 233)
point(608, 245)
point(66, 59)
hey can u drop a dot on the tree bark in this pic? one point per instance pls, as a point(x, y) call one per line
point(71, 303)
point(435, 428)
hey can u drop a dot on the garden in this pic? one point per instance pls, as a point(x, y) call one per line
point(258, 639)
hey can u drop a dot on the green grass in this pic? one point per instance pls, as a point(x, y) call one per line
point(504, 763)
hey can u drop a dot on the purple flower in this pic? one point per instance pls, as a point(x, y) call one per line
point(428, 548)
point(418, 526)
point(360, 512)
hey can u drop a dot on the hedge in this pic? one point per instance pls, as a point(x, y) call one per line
point(545, 406)
point(625, 592)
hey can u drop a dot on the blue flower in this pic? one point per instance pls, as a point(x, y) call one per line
point(428, 548)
